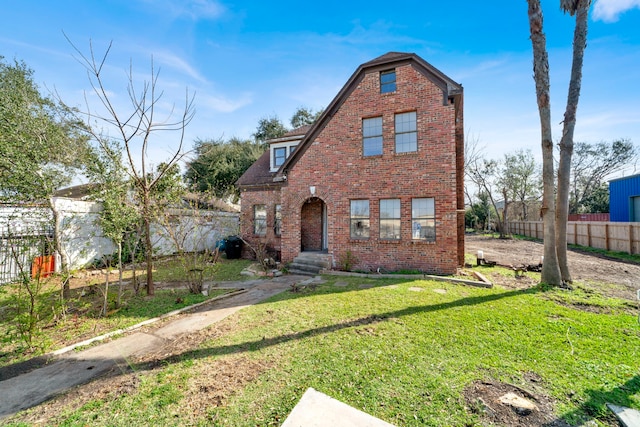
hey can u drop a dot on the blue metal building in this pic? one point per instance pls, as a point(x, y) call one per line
point(624, 199)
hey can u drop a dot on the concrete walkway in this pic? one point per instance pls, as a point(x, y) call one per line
point(75, 368)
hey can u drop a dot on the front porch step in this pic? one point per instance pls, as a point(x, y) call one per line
point(310, 263)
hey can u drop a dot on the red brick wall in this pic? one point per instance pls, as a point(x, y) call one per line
point(334, 165)
point(311, 225)
point(268, 197)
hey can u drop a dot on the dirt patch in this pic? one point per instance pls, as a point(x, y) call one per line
point(590, 270)
point(498, 403)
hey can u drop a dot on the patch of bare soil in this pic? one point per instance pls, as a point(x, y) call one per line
point(610, 278)
point(498, 403)
point(212, 383)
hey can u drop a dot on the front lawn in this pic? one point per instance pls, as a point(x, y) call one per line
point(408, 352)
point(82, 317)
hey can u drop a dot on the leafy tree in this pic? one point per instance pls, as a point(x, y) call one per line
point(42, 145)
point(304, 116)
point(218, 165)
point(597, 201)
point(521, 178)
point(555, 270)
point(136, 130)
point(269, 128)
point(590, 166)
point(119, 217)
point(487, 176)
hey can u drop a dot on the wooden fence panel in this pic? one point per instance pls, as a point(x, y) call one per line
point(612, 236)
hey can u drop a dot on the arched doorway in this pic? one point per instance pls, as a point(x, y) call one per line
point(313, 225)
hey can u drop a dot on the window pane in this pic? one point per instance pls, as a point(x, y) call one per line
point(406, 142)
point(423, 221)
point(390, 219)
point(423, 208)
point(372, 146)
point(406, 122)
point(390, 208)
point(278, 220)
point(279, 156)
point(359, 209)
point(359, 226)
point(372, 136)
point(406, 132)
point(260, 219)
point(372, 127)
point(388, 81)
point(292, 149)
point(390, 229)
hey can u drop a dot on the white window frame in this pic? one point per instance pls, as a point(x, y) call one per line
point(289, 147)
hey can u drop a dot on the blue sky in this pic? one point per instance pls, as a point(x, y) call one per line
point(247, 60)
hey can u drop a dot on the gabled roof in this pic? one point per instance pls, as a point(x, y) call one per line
point(258, 174)
point(391, 59)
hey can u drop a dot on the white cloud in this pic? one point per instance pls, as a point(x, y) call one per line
point(194, 9)
point(610, 10)
point(224, 105)
point(173, 61)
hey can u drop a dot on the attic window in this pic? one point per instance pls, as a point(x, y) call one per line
point(279, 156)
point(388, 81)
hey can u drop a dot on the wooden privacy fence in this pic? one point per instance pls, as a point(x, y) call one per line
point(611, 236)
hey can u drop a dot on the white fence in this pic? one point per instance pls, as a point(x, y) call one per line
point(83, 241)
point(611, 236)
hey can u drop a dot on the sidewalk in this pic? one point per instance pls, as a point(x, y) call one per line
point(75, 368)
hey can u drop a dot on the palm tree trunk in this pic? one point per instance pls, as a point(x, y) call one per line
point(566, 143)
point(550, 269)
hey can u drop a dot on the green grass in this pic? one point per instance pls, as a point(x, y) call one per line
point(83, 320)
point(172, 269)
point(400, 354)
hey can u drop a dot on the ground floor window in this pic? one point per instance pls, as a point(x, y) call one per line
point(423, 219)
point(360, 222)
point(277, 223)
point(260, 220)
point(390, 219)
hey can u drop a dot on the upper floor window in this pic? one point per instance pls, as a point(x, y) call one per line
point(390, 219)
point(260, 220)
point(279, 156)
point(372, 136)
point(280, 152)
point(423, 219)
point(406, 132)
point(388, 81)
point(359, 219)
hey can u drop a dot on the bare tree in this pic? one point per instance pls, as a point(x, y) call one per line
point(134, 127)
point(473, 152)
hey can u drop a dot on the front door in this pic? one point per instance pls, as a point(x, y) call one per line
point(312, 225)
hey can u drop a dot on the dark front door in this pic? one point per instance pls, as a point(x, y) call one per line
point(312, 225)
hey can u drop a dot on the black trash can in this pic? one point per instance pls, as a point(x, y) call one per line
point(233, 247)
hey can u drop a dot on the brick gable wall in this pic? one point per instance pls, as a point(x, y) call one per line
point(334, 165)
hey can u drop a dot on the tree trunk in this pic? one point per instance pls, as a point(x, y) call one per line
point(505, 215)
point(566, 143)
point(550, 269)
point(119, 300)
point(148, 250)
point(59, 248)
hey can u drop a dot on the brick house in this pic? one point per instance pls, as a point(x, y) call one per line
point(377, 178)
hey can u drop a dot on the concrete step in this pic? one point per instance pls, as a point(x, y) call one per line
point(310, 263)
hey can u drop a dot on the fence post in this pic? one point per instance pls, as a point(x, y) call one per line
point(631, 239)
point(606, 236)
